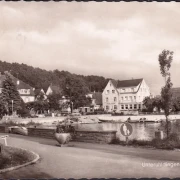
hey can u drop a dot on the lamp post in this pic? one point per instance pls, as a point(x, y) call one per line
point(12, 107)
point(72, 107)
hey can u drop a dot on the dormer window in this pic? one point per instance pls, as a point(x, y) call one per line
point(123, 90)
point(113, 91)
point(108, 91)
point(132, 89)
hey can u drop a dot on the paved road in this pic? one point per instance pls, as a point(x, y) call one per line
point(86, 160)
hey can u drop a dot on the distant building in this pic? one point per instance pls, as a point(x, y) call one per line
point(176, 92)
point(25, 90)
point(53, 89)
point(125, 95)
point(96, 99)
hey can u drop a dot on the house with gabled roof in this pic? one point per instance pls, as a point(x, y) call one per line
point(125, 95)
point(25, 90)
point(96, 99)
point(40, 94)
point(53, 89)
point(175, 92)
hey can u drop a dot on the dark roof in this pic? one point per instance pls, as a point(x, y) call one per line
point(55, 88)
point(176, 92)
point(98, 97)
point(126, 83)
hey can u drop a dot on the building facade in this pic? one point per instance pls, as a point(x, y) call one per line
point(125, 95)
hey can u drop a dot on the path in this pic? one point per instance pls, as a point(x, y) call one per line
point(86, 160)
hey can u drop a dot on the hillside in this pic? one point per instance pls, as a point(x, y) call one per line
point(40, 78)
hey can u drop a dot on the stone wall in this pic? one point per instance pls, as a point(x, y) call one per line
point(42, 132)
point(95, 136)
point(3, 129)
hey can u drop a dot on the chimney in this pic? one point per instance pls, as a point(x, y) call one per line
point(17, 82)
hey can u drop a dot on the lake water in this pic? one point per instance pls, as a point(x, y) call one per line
point(141, 131)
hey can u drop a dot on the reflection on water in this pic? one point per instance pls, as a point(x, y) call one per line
point(141, 131)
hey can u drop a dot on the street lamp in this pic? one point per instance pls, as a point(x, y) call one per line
point(12, 107)
point(72, 107)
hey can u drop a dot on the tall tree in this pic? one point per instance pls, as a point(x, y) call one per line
point(53, 101)
point(10, 95)
point(165, 60)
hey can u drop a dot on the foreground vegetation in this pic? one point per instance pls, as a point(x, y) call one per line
point(11, 157)
point(170, 143)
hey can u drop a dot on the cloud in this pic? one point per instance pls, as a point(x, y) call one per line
point(119, 40)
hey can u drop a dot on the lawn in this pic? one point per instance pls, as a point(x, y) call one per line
point(11, 157)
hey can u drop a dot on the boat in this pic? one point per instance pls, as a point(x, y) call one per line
point(19, 130)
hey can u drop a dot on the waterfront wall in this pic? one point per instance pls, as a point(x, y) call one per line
point(95, 136)
point(42, 132)
point(80, 136)
point(3, 129)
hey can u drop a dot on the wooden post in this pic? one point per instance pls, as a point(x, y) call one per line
point(5, 141)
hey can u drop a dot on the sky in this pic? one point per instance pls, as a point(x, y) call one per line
point(120, 40)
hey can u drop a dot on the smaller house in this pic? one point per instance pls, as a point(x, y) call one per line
point(176, 92)
point(96, 99)
point(40, 94)
point(53, 89)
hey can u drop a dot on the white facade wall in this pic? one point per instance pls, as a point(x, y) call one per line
point(127, 98)
point(49, 91)
point(27, 99)
point(110, 97)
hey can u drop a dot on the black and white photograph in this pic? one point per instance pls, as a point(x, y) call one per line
point(89, 90)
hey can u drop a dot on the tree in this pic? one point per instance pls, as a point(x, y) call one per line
point(53, 101)
point(76, 90)
point(165, 60)
point(38, 106)
point(148, 103)
point(10, 97)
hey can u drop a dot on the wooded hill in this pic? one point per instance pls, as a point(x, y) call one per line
point(40, 78)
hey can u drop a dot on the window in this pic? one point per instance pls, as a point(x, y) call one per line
point(107, 107)
point(132, 89)
point(115, 107)
point(122, 98)
point(130, 97)
point(126, 98)
point(110, 84)
point(126, 106)
point(115, 99)
point(135, 106)
point(107, 99)
point(122, 106)
point(130, 106)
point(134, 97)
point(123, 90)
point(113, 91)
point(108, 91)
point(139, 106)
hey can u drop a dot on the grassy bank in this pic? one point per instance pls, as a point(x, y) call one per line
point(11, 157)
point(171, 143)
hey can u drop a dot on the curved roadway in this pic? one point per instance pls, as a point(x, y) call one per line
point(86, 160)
